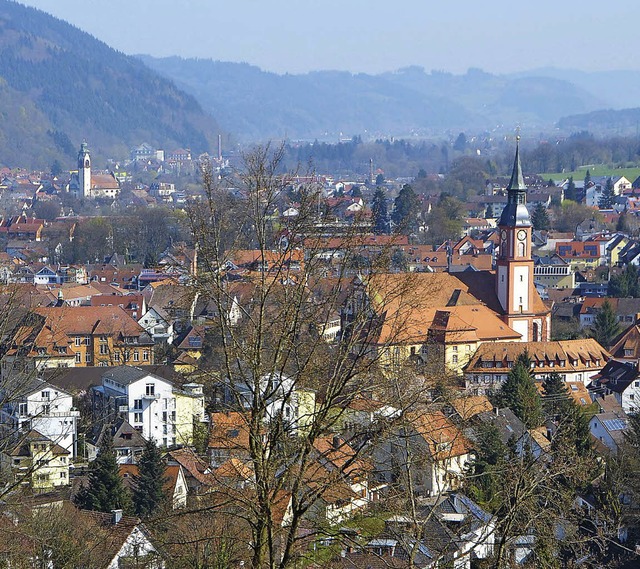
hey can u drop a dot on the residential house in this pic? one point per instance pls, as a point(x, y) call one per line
point(553, 272)
point(580, 254)
point(609, 429)
point(429, 448)
point(128, 442)
point(150, 403)
point(36, 460)
point(575, 361)
point(33, 403)
point(627, 345)
point(174, 486)
point(621, 379)
point(627, 310)
point(514, 432)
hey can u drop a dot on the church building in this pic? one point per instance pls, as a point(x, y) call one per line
point(443, 318)
point(86, 184)
point(521, 307)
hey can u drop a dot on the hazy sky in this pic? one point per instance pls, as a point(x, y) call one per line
point(367, 35)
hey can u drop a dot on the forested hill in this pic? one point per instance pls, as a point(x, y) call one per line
point(405, 103)
point(59, 85)
point(609, 121)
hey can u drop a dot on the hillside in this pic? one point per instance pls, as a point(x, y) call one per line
point(59, 85)
point(328, 104)
point(605, 122)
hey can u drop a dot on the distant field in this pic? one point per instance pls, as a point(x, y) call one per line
point(596, 171)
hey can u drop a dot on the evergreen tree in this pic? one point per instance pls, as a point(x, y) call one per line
point(555, 396)
point(607, 197)
point(380, 213)
point(572, 433)
point(625, 284)
point(587, 179)
point(605, 326)
point(540, 217)
point(405, 209)
point(570, 192)
point(486, 478)
point(519, 393)
point(148, 492)
point(105, 491)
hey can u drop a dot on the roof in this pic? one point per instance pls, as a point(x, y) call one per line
point(89, 320)
point(443, 438)
point(193, 465)
point(23, 447)
point(229, 431)
point(125, 375)
point(499, 357)
point(469, 406)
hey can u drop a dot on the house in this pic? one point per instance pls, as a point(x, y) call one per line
point(32, 403)
point(575, 361)
point(79, 336)
point(36, 460)
point(198, 473)
point(627, 310)
point(228, 437)
point(150, 403)
point(514, 432)
point(128, 443)
point(553, 272)
point(113, 541)
point(429, 448)
point(627, 345)
point(174, 486)
point(609, 429)
point(158, 325)
point(619, 378)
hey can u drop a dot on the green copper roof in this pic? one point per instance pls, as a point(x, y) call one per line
point(517, 179)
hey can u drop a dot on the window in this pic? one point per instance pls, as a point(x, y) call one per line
point(22, 408)
point(103, 339)
point(136, 356)
point(87, 358)
point(150, 389)
point(78, 357)
point(454, 359)
point(104, 349)
point(455, 348)
point(46, 409)
point(78, 341)
point(46, 395)
point(63, 475)
point(137, 417)
point(137, 403)
point(116, 357)
point(164, 416)
point(145, 356)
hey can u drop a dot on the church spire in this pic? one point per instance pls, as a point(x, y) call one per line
point(517, 179)
point(515, 213)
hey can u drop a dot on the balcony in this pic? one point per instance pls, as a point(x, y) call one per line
point(151, 396)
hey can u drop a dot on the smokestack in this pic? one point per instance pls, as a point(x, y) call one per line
point(116, 516)
point(220, 147)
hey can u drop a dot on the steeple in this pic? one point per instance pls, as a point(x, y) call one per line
point(517, 179)
point(515, 213)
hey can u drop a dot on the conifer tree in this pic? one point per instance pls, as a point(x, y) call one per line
point(519, 393)
point(587, 179)
point(405, 209)
point(555, 397)
point(570, 192)
point(605, 326)
point(148, 491)
point(608, 195)
point(105, 491)
point(540, 217)
point(380, 213)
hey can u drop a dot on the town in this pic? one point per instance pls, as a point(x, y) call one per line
point(302, 371)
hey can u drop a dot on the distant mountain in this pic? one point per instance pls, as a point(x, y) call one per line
point(622, 122)
point(59, 85)
point(255, 104)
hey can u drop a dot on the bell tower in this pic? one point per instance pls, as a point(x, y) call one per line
point(522, 308)
point(84, 171)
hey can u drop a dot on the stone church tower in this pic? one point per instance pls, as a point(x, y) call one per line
point(84, 171)
point(522, 308)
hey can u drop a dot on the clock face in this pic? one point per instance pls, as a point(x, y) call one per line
point(503, 235)
point(522, 234)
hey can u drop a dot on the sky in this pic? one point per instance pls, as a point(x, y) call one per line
point(369, 36)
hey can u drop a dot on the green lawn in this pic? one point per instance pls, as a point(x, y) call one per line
point(596, 171)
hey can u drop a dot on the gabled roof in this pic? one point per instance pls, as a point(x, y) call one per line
point(444, 440)
point(126, 375)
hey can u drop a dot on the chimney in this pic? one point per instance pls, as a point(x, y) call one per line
point(116, 516)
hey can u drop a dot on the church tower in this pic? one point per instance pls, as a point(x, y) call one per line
point(84, 171)
point(522, 308)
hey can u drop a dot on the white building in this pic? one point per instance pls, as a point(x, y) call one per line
point(43, 407)
point(150, 403)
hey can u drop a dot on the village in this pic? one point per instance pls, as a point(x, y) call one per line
point(340, 371)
